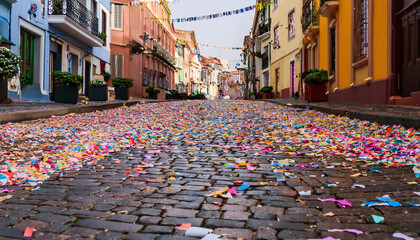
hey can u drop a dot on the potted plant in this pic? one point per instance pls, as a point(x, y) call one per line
point(9, 67)
point(98, 90)
point(315, 85)
point(121, 87)
point(267, 92)
point(66, 89)
point(296, 95)
point(252, 95)
point(153, 92)
point(107, 76)
point(102, 36)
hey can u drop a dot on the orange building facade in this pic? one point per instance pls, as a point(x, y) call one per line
point(143, 46)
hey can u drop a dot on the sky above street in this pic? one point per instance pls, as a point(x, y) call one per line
point(226, 31)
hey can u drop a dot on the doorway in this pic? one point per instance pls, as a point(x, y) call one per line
point(87, 77)
point(409, 23)
point(292, 77)
point(27, 48)
point(55, 63)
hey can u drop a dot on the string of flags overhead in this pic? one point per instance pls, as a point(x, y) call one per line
point(259, 7)
point(209, 45)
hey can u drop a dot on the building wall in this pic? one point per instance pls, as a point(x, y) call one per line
point(5, 7)
point(380, 39)
point(38, 26)
point(137, 20)
point(366, 83)
point(288, 47)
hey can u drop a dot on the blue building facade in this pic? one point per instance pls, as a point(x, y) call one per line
point(5, 7)
point(58, 36)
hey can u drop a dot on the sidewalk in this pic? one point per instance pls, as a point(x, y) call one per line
point(30, 110)
point(383, 114)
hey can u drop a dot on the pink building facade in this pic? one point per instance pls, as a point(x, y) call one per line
point(142, 46)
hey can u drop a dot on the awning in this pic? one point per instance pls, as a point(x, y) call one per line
point(5, 40)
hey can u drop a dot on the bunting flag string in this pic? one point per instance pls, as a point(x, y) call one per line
point(259, 7)
point(208, 45)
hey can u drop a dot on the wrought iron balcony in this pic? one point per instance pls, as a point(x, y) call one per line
point(163, 54)
point(265, 60)
point(309, 14)
point(328, 7)
point(74, 19)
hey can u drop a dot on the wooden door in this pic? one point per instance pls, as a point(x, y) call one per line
point(410, 65)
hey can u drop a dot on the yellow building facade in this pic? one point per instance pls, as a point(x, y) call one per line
point(286, 40)
point(351, 40)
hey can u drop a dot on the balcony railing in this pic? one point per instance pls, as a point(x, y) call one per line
point(309, 15)
point(265, 60)
point(265, 27)
point(163, 54)
point(76, 12)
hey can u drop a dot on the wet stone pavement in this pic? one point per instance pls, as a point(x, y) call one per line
point(116, 200)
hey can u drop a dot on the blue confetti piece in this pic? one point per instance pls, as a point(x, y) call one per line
point(280, 179)
point(244, 187)
point(373, 170)
point(370, 203)
point(412, 204)
point(384, 199)
point(394, 203)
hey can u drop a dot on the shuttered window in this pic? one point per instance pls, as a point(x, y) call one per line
point(117, 65)
point(117, 16)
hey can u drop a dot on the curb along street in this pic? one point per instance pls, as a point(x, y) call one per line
point(385, 119)
point(25, 115)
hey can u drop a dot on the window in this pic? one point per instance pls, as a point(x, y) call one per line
point(276, 37)
point(276, 4)
point(360, 30)
point(94, 7)
point(117, 16)
point(332, 50)
point(307, 53)
point(291, 24)
point(27, 54)
point(104, 25)
point(266, 79)
point(104, 22)
point(117, 65)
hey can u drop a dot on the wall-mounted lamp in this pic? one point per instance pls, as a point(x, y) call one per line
point(146, 36)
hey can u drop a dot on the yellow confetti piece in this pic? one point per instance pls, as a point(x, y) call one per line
point(220, 192)
point(2, 198)
point(412, 183)
point(355, 175)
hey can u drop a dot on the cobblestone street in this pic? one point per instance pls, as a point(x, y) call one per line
point(243, 169)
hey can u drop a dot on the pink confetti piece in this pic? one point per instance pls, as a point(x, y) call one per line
point(6, 190)
point(248, 166)
point(346, 230)
point(217, 203)
point(232, 190)
point(327, 238)
point(341, 203)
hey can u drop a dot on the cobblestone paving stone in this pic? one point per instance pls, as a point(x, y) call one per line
point(106, 203)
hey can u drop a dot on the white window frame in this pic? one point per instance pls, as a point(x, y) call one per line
point(120, 11)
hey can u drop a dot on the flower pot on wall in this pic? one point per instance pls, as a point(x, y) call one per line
point(316, 93)
point(121, 93)
point(267, 95)
point(66, 94)
point(153, 95)
point(3, 89)
point(98, 93)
